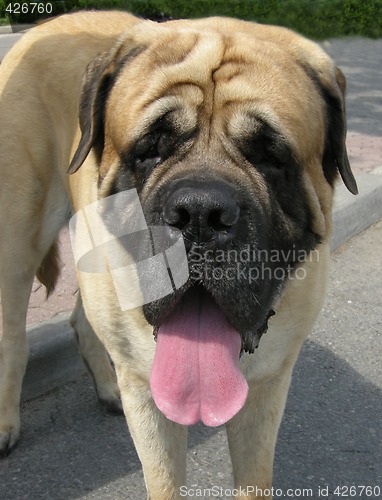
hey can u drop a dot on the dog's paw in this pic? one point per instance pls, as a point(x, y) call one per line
point(109, 396)
point(113, 405)
point(8, 439)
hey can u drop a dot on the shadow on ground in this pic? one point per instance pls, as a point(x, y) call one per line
point(331, 435)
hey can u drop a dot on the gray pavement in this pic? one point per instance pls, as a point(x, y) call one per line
point(331, 432)
point(361, 61)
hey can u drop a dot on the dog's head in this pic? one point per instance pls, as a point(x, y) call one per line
point(234, 134)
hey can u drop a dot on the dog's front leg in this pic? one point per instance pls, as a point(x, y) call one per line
point(13, 352)
point(252, 437)
point(96, 359)
point(161, 444)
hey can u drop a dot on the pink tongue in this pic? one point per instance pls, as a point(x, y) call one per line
point(195, 374)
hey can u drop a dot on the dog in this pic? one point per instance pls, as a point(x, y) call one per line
point(230, 136)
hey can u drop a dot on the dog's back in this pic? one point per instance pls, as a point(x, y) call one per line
point(40, 85)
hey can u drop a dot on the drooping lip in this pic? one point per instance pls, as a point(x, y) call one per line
point(250, 337)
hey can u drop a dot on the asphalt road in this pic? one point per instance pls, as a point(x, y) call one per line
point(331, 434)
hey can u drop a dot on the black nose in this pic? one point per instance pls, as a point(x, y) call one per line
point(205, 212)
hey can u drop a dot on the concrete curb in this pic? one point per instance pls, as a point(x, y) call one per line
point(54, 358)
point(352, 214)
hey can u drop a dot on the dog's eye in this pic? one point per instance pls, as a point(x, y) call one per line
point(265, 148)
point(150, 150)
point(263, 155)
point(158, 145)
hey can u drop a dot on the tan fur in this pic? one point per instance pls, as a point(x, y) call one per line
point(49, 269)
point(217, 69)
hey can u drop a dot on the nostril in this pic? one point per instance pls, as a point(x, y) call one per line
point(215, 221)
point(183, 218)
point(177, 217)
point(222, 219)
point(231, 215)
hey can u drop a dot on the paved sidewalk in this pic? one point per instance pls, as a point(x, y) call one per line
point(361, 61)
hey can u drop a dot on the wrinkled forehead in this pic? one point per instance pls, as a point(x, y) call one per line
point(230, 74)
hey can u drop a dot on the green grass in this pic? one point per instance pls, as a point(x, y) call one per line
point(317, 19)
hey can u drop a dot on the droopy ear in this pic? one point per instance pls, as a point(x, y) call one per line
point(97, 82)
point(95, 88)
point(335, 155)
